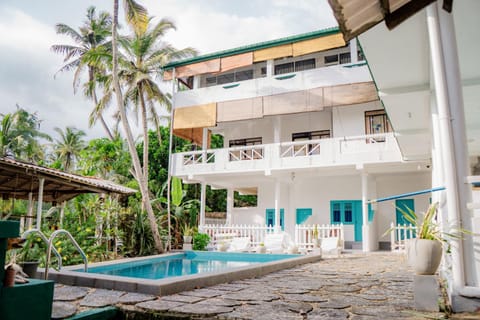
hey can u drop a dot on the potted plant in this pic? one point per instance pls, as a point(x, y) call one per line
point(29, 256)
point(200, 241)
point(261, 248)
point(424, 252)
point(188, 233)
point(222, 246)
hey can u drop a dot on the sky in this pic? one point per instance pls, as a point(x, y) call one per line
point(28, 68)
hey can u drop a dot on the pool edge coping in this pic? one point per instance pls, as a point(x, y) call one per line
point(169, 286)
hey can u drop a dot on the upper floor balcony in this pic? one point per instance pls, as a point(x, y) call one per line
point(366, 149)
point(329, 76)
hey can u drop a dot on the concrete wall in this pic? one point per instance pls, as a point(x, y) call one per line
point(317, 192)
point(342, 121)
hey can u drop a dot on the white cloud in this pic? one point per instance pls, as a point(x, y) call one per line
point(28, 64)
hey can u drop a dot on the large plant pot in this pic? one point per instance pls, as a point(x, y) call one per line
point(30, 268)
point(424, 255)
point(187, 239)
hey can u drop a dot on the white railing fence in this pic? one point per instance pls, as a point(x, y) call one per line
point(246, 153)
point(305, 234)
point(218, 233)
point(199, 157)
point(399, 234)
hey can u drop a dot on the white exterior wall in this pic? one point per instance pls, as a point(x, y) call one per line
point(317, 192)
point(350, 120)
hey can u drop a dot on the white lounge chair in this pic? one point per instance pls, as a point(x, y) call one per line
point(239, 244)
point(331, 245)
point(276, 242)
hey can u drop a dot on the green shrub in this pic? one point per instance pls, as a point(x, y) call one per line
point(200, 241)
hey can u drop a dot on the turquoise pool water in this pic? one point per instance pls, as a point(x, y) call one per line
point(188, 263)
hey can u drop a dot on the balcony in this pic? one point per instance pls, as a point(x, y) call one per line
point(298, 81)
point(355, 150)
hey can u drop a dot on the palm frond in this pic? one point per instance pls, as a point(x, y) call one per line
point(136, 16)
point(64, 29)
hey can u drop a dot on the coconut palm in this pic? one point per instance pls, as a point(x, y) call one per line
point(68, 147)
point(20, 134)
point(91, 41)
point(145, 53)
point(136, 17)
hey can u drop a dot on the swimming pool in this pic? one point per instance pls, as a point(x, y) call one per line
point(183, 264)
point(175, 272)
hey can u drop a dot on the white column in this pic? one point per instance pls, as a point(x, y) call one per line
point(41, 182)
point(353, 51)
point(270, 68)
point(278, 228)
point(277, 126)
point(203, 192)
point(229, 205)
point(196, 81)
point(446, 139)
point(365, 227)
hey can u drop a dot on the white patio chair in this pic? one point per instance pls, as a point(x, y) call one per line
point(276, 242)
point(331, 245)
point(239, 244)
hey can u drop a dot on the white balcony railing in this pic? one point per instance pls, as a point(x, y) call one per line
point(290, 155)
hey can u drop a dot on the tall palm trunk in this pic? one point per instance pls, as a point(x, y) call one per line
point(145, 131)
point(142, 181)
point(95, 101)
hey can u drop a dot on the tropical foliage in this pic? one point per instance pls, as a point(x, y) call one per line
point(124, 69)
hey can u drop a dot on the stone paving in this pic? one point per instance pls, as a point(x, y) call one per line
point(353, 286)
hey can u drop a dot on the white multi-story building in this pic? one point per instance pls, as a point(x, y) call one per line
point(303, 130)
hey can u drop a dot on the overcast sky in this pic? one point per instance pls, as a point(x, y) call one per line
point(27, 66)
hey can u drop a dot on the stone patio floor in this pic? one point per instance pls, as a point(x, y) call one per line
point(353, 286)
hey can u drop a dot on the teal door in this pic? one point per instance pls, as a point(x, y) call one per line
point(302, 215)
point(348, 212)
point(270, 217)
point(403, 204)
point(357, 220)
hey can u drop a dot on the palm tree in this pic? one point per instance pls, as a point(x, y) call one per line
point(145, 53)
point(137, 18)
point(91, 41)
point(19, 134)
point(68, 147)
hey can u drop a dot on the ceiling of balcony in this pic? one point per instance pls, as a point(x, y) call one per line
point(400, 63)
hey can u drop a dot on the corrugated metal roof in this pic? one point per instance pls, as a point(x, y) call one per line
point(253, 47)
point(18, 179)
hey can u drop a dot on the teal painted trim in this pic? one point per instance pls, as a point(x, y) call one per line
point(231, 86)
point(371, 213)
point(105, 313)
point(360, 64)
point(302, 214)
point(253, 47)
point(289, 76)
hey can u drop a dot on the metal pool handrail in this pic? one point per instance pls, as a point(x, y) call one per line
point(44, 238)
point(75, 244)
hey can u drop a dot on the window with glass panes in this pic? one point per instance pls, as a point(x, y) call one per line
point(376, 122)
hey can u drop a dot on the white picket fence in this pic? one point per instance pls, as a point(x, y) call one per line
point(400, 234)
point(305, 234)
point(217, 233)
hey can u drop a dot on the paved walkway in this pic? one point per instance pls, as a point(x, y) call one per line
point(354, 286)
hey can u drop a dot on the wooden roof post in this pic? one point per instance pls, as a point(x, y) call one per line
point(40, 202)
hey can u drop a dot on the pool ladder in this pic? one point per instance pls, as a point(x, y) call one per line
point(51, 248)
